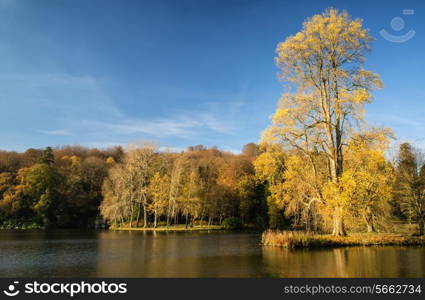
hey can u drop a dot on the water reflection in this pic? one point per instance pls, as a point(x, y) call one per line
point(346, 262)
point(197, 254)
point(181, 255)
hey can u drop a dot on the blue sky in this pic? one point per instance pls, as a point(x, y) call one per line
point(100, 72)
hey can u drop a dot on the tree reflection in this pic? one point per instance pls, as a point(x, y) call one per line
point(345, 262)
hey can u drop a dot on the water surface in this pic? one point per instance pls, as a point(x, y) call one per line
point(70, 253)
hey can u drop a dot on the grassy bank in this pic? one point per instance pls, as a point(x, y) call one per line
point(171, 228)
point(293, 239)
point(20, 226)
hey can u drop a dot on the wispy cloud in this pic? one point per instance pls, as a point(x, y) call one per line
point(61, 132)
point(181, 125)
point(82, 110)
point(160, 127)
point(104, 145)
point(69, 96)
point(171, 149)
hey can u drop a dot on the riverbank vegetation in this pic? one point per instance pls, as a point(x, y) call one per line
point(72, 186)
point(319, 168)
point(180, 227)
point(300, 239)
point(53, 187)
point(337, 176)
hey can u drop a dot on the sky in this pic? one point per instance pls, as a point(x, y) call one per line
point(100, 72)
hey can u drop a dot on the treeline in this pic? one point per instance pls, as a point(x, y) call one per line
point(72, 186)
point(53, 187)
point(197, 186)
point(263, 187)
point(376, 194)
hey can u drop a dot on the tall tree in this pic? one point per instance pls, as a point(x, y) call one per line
point(116, 203)
point(324, 62)
point(270, 168)
point(159, 190)
point(42, 183)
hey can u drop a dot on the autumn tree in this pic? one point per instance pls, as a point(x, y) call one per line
point(252, 201)
point(324, 63)
point(116, 203)
point(84, 182)
point(192, 187)
point(41, 183)
point(269, 168)
point(251, 150)
point(210, 191)
point(12, 197)
point(10, 161)
point(159, 190)
point(47, 156)
point(7, 180)
point(31, 156)
point(365, 188)
point(409, 185)
point(139, 163)
point(189, 202)
point(175, 189)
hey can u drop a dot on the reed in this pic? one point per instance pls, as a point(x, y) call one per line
point(299, 239)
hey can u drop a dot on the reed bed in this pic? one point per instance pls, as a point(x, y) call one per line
point(299, 239)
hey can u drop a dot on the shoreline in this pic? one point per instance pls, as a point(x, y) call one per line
point(170, 228)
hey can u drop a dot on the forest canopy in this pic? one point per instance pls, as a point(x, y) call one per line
point(73, 186)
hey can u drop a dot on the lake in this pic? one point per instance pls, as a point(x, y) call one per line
point(72, 253)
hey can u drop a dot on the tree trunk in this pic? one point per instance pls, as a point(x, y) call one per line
point(145, 217)
point(168, 219)
point(138, 215)
point(369, 221)
point(370, 228)
point(421, 225)
point(154, 219)
point(308, 224)
point(338, 223)
point(131, 216)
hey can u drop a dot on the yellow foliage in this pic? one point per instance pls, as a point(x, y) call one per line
point(75, 160)
point(110, 160)
point(324, 62)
